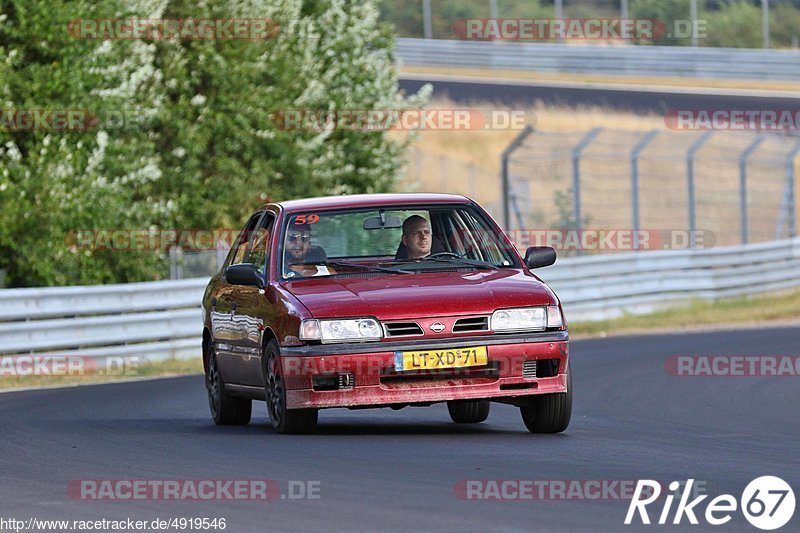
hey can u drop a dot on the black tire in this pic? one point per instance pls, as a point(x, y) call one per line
point(468, 411)
point(550, 413)
point(286, 421)
point(226, 410)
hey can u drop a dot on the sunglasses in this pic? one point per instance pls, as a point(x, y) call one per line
point(298, 238)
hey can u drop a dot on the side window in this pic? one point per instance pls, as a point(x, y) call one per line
point(259, 249)
point(240, 252)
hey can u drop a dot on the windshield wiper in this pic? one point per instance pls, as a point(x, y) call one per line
point(374, 268)
point(471, 262)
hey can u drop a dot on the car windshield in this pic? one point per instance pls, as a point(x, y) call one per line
point(391, 240)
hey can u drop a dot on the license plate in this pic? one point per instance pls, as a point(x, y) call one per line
point(435, 359)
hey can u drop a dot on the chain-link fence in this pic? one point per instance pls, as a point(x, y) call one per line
point(736, 186)
point(196, 263)
point(729, 187)
point(427, 172)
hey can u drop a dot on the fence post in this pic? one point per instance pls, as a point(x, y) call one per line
point(516, 143)
point(443, 171)
point(635, 153)
point(789, 196)
point(175, 267)
point(427, 26)
point(576, 175)
point(418, 168)
point(473, 186)
point(743, 185)
point(690, 184)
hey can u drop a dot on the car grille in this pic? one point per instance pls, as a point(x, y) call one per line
point(477, 323)
point(402, 329)
point(529, 369)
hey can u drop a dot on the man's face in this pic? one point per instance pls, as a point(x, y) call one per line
point(298, 241)
point(418, 239)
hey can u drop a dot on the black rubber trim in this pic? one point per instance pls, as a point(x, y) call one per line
point(432, 344)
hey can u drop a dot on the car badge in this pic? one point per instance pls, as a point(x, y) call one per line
point(437, 327)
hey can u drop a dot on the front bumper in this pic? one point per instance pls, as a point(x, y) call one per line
point(376, 383)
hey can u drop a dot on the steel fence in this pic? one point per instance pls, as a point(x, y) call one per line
point(729, 63)
point(733, 187)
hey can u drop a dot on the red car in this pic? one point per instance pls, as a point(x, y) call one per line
point(384, 300)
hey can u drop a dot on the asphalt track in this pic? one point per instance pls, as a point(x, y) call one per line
point(641, 100)
point(387, 470)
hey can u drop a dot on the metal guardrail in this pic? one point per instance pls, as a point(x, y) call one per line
point(733, 63)
point(159, 320)
point(156, 320)
point(611, 285)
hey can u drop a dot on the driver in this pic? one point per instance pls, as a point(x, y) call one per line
point(417, 237)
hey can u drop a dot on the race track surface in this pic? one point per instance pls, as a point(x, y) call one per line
point(634, 100)
point(387, 470)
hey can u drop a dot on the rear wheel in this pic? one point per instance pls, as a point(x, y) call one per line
point(283, 420)
point(468, 411)
point(226, 410)
point(549, 413)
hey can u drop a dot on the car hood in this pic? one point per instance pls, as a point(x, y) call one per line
point(419, 295)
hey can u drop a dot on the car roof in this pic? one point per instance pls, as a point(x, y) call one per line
point(371, 200)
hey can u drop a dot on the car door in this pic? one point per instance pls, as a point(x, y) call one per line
point(253, 311)
point(228, 329)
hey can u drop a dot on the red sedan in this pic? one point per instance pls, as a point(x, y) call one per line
point(384, 300)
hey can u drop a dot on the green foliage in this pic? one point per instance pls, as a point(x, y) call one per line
point(199, 148)
point(735, 24)
point(667, 11)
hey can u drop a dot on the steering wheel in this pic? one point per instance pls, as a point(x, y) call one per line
point(443, 254)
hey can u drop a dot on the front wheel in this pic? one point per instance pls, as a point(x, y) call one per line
point(549, 413)
point(283, 420)
point(226, 410)
point(468, 411)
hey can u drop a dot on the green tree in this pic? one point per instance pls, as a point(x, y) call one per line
point(199, 148)
point(54, 182)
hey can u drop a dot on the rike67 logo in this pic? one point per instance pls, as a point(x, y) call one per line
point(767, 503)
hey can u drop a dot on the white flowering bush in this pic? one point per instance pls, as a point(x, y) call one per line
point(184, 136)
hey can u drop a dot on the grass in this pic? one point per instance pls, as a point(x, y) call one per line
point(170, 367)
point(651, 81)
point(760, 310)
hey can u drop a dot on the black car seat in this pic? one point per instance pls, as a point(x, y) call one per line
point(316, 255)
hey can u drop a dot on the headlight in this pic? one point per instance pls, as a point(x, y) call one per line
point(347, 330)
point(522, 319)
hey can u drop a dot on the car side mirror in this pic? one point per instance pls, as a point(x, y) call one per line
point(540, 256)
point(244, 274)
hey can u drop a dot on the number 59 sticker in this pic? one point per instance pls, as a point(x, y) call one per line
point(768, 502)
point(306, 219)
